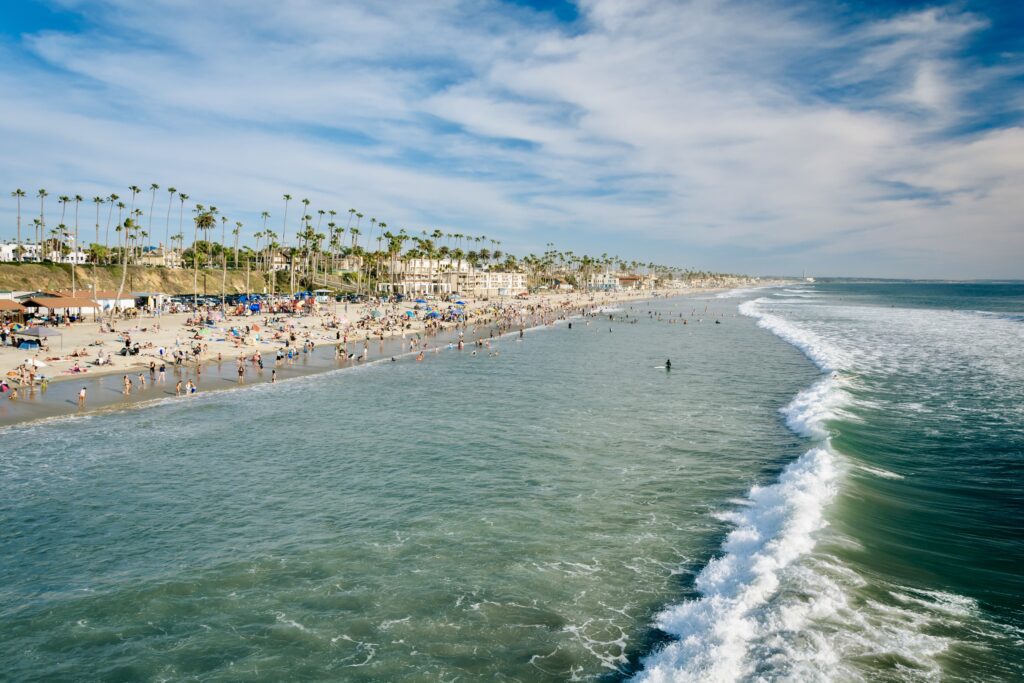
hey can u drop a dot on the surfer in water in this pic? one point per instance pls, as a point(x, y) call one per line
point(668, 365)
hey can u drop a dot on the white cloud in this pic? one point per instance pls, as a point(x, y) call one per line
point(688, 127)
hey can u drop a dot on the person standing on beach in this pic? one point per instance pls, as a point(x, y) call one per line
point(127, 385)
point(177, 388)
point(273, 376)
point(81, 398)
point(163, 373)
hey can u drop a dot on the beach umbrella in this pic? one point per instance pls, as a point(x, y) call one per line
point(375, 313)
point(433, 314)
point(39, 332)
point(460, 303)
point(411, 314)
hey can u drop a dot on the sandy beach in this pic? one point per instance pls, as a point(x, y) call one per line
point(213, 354)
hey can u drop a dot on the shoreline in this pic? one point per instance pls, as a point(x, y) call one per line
point(105, 393)
point(104, 386)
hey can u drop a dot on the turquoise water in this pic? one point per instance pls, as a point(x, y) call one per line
point(565, 510)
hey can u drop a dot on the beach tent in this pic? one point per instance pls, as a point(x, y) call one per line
point(420, 301)
point(40, 332)
point(433, 314)
point(411, 314)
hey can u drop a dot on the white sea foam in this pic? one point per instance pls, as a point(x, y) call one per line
point(774, 528)
point(776, 604)
point(879, 472)
point(772, 532)
point(820, 351)
point(739, 291)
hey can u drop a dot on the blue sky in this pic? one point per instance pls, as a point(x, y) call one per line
point(874, 139)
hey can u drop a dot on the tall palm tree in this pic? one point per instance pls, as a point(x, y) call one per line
point(41, 231)
point(111, 199)
point(63, 200)
point(223, 262)
point(171, 191)
point(153, 187)
point(182, 198)
point(236, 232)
point(98, 201)
point(129, 227)
point(74, 245)
point(18, 194)
point(204, 221)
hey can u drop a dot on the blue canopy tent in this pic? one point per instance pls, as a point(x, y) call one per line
point(40, 332)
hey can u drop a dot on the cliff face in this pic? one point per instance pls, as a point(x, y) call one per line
point(54, 277)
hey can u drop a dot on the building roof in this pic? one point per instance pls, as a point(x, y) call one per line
point(52, 302)
point(99, 294)
point(10, 305)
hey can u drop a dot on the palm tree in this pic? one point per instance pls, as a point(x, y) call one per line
point(153, 187)
point(236, 232)
point(63, 200)
point(41, 230)
point(74, 245)
point(223, 261)
point(120, 209)
point(106, 236)
point(204, 221)
point(182, 198)
point(129, 226)
point(171, 191)
point(18, 194)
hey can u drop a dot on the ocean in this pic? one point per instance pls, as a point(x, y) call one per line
point(827, 485)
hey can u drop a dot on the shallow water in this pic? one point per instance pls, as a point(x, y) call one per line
point(548, 513)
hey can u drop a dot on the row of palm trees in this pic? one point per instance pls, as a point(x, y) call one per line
point(325, 248)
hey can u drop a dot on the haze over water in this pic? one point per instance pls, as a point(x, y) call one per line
point(529, 516)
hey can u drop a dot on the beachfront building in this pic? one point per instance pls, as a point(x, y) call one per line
point(422, 276)
point(488, 283)
point(629, 281)
point(44, 306)
point(279, 262)
point(76, 256)
point(442, 277)
point(604, 282)
point(29, 252)
point(168, 258)
point(106, 299)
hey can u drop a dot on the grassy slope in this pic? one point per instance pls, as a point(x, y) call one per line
point(47, 277)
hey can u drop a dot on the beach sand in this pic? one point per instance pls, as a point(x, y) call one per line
point(217, 366)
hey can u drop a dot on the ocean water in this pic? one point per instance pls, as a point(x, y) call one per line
point(828, 485)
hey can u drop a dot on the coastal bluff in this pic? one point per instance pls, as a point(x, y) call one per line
point(57, 277)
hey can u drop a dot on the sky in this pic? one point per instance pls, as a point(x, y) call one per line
point(833, 138)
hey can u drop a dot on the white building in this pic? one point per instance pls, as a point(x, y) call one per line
point(447, 276)
point(604, 281)
point(106, 299)
point(488, 283)
point(30, 252)
point(77, 256)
